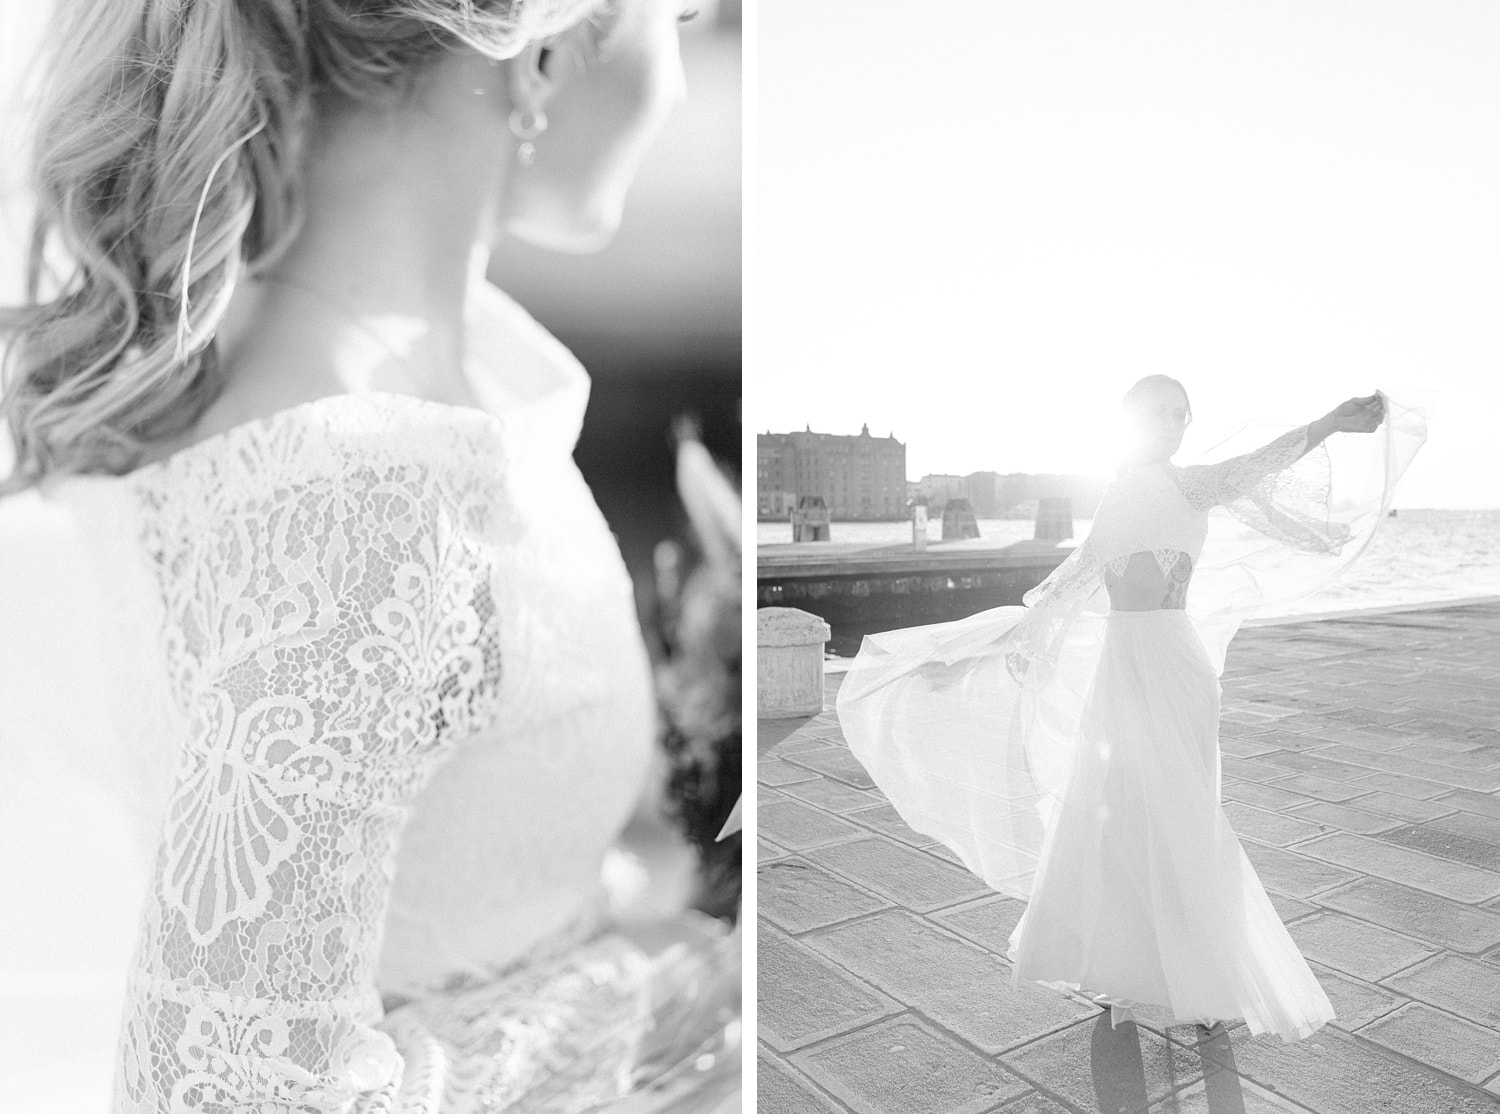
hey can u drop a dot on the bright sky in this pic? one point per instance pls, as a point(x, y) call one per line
point(979, 222)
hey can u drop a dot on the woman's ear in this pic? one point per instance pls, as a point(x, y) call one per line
point(528, 84)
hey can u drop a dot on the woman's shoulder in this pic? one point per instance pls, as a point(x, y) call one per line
point(335, 442)
point(335, 430)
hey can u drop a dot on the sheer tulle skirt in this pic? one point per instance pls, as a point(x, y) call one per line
point(1143, 896)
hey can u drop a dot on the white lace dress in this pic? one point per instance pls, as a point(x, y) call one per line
point(387, 707)
point(1067, 751)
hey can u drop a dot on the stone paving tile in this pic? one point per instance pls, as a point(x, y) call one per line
point(1332, 1072)
point(782, 1089)
point(1243, 748)
point(1322, 788)
point(1355, 947)
point(908, 877)
point(837, 763)
point(1292, 874)
point(903, 1066)
point(961, 987)
point(1412, 868)
point(798, 827)
point(1248, 769)
point(1355, 1002)
point(1402, 808)
point(988, 921)
point(1472, 825)
point(1461, 986)
point(1093, 1066)
point(1478, 724)
point(823, 728)
point(1448, 924)
point(1437, 839)
point(1345, 818)
point(1428, 736)
point(796, 896)
point(1484, 804)
point(767, 851)
point(1289, 909)
point(1034, 1103)
point(1268, 827)
point(831, 796)
point(1412, 788)
point(1314, 764)
point(771, 733)
point(1446, 1042)
point(1291, 740)
point(1223, 1092)
point(804, 998)
point(1262, 796)
point(887, 821)
point(775, 771)
point(1464, 756)
point(1254, 714)
point(1366, 740)
point(803, 744)
point(1479, 780)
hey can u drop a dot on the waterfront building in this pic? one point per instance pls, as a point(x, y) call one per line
point(858, 477)
point(936, 488)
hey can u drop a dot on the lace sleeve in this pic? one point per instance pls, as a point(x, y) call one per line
point(1212, 485)
point(1052, 608)
point(330, 640)
point(1281, 490)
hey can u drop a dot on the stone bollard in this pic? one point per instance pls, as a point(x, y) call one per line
point(789, 660)
point(1054, 519)
point(958, 520)
point(811, 521)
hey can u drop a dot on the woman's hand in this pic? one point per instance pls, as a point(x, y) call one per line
point(1358, 415)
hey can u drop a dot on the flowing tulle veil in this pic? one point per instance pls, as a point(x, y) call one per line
point(971, 728)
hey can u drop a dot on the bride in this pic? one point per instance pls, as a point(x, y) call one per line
point(1068, 750)
point(383, 698)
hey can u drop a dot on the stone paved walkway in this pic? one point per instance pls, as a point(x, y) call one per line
point(1361, 771)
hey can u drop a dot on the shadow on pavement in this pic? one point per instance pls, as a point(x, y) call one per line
point(1120, 1075)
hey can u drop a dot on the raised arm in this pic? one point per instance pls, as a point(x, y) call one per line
point(330, 640)
point(1209, 485)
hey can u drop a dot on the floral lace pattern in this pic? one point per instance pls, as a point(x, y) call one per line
point(332, 580)
point(1281, 490)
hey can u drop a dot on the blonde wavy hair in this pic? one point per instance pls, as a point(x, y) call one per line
point(165, 164)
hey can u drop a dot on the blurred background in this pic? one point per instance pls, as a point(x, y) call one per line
point(655, 317)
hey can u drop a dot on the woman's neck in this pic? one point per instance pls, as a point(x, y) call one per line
point(371, 294)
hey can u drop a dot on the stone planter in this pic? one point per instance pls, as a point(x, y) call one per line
point(789, 662)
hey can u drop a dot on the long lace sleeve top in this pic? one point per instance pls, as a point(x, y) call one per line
point(403, 710)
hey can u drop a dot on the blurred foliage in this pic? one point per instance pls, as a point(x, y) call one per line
point(693, 622)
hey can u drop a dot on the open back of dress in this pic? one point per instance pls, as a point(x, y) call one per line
point(1149, 580)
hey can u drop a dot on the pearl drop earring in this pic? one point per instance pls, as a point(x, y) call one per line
point(526, 124)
